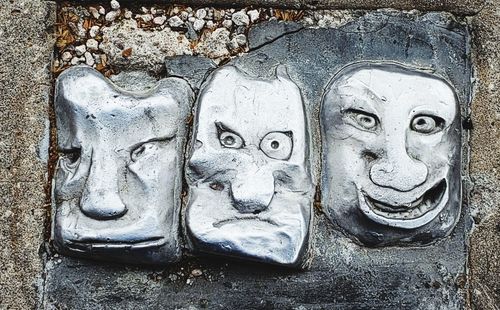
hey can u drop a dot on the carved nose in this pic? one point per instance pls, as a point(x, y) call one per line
point(100, 198)
point(252, 192)
point(397, 170)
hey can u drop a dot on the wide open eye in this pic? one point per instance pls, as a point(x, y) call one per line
point(146, 148)
point(427, 124)
point(70, 158)
point(362, 120)
point(229, 138)
point(277, 145)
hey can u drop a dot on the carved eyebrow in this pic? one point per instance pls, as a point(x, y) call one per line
point(221, 128)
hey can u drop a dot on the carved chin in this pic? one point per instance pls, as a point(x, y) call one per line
point(409, 215)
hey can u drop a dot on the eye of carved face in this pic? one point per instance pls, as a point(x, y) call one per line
point(361, 119)
point(148, 147)
point(427, 124)
point(277, 145)
point(229, 138)
point(70, 159)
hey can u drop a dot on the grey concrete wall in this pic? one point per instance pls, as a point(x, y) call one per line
point(26, 46)
point(25, 85)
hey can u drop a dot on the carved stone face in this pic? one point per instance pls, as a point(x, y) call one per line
point(248, 171)
point(391, 154)
point(117, 184)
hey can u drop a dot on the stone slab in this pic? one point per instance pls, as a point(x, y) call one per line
point(25, 85)
point(342, 275)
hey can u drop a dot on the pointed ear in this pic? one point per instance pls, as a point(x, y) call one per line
point(282, 73)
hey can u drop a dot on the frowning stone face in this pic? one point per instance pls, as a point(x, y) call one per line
point(250, 190)
point(391, 154)
point(117, 183)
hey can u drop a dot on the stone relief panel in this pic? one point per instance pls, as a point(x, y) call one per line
point(117, 184)
point(250, 188)
point(391, 154)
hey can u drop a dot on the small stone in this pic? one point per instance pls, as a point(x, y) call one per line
point(112, 15)
point(218, 15)
point(56, 63)
point(89, 59)
point(92, 44)
point(144, 10)
point(240, 18)
point(210, 24)
point(191, 19)
point(160, 20)
point(189, 9)
point(127, 14)
point(75, 60)
point(175, 10)
point(233, 44)
point(101, 10)
point(200, 14)
point(94, 12)
point(115, 5)
point(196, 272)
point(241, 39)
point(175, 21)
point(227, 24)
point(145, 17)
point(184, 15)
point(93, 31)
point(198, 24)
point(66, 56)
point(189, 281)
point(254, 15)
point(153, 11)
point(80, 50)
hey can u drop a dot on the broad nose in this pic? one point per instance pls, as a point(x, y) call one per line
point(252, 192)
point(100, 198)
point(396, 169)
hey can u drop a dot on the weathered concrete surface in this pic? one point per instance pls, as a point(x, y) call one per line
point(25, 51)
point(484, 255)
point(462, 7)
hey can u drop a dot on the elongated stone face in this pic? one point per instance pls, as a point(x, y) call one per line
point(250, 190)
point(391, 154)
point(117, 183)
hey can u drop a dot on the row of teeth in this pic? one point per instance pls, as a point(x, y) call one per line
point(416, 209)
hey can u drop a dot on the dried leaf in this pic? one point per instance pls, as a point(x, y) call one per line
point(127, 52)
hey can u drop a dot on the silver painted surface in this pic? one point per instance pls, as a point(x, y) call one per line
point(391, 154)
point(250, 189)
point(118, 181)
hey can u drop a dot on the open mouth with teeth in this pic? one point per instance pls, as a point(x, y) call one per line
point(409, 215)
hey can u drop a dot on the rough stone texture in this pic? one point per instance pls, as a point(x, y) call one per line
point(465, 7)
point(343, 275)
point(25, 83)
point(272, 30)
point(484, 255)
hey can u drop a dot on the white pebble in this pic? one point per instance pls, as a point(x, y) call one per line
point(102, 11)
point(76, 60)
point(233, 44)
point(89, 59)
point(210, 24)
point(80, 50)
point(191, 19)
point(94, 30)
point(184, 15)
point(160, 20)
point(175, 21)
point(146, 17)
point(198, 24)
point(200, 14)
point(254, 15)
point(66, 56)
point(94, 12)
point(92, 44)
point(127, 14)
point(175, 10)
point(115, 5)
point(227, 23)
point(112, 15)
point(144, 10)
point(241, 39)
point(240, 18)
point(153, 11)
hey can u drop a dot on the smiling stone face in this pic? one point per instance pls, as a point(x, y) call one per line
point(391, 154)
point(248, 173)
point(117, 183)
